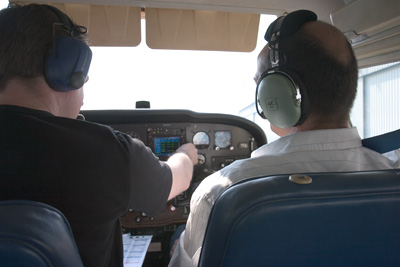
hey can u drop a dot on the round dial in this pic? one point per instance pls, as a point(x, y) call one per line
point(201, 140)
point(223, 139)
point(202, 159)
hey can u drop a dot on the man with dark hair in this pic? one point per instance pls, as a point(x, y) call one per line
point(322, 63)
point(90, 172)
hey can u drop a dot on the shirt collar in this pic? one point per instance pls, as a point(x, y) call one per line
point(332, 139)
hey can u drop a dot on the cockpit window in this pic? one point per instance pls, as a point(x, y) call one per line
point(202, 81)
point(377, 107)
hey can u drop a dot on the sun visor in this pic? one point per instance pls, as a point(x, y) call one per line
point(107, 25)
point(201, 30)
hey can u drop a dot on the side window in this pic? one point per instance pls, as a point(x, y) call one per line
point(377, 107)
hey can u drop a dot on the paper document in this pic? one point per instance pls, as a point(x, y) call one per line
point(135, 248)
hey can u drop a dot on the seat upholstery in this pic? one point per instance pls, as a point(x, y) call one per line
point(339, 219)
point(35, 234)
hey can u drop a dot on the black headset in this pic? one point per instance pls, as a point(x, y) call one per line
point(281, 97)
point(68, 61)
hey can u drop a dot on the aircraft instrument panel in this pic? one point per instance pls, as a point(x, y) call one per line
point(220, 139)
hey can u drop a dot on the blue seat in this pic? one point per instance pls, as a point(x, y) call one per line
point(338, 219)
point(35, 234)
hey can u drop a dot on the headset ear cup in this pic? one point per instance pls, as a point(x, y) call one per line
point(67, 67)
point(278, 98)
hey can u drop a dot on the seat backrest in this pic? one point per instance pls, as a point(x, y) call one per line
point(338, 219)
point(35, 234)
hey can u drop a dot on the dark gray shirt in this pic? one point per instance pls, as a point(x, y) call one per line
point(88, 171)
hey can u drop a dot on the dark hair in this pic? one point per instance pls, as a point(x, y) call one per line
point(26, 37)
point(331, 83)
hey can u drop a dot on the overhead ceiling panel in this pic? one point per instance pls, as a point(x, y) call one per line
point(360, 16)
point(201, 30)
point(375, 36)
point(274, 7)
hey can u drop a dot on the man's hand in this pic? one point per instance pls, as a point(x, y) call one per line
point(181, 164)
point(190, 150)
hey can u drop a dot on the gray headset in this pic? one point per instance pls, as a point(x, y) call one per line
point(281, 97)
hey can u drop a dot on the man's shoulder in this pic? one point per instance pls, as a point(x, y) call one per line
point(213, 185)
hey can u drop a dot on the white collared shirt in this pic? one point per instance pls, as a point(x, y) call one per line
point(336, 150)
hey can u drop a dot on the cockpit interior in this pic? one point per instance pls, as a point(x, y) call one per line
point(217, 114)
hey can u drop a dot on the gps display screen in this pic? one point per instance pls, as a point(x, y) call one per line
point(166, 146)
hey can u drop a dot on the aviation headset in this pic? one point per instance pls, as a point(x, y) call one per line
point(68, 61)
point(280, 93)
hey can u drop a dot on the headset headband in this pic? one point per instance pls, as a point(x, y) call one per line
point(283, 27)
point(73, 29)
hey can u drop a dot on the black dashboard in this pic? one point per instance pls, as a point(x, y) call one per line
point(220, 139)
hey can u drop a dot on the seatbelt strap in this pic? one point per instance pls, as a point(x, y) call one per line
point(383, 143)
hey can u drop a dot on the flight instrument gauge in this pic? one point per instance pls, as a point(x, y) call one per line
point(201, 140)
point(223, 139)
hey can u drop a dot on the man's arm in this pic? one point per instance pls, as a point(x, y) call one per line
point(181, 164)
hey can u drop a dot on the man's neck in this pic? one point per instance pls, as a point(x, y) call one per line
point(33, 94)
point(311, 124)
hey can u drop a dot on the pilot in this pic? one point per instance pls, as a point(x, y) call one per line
point(90, 172)
point(306, 85)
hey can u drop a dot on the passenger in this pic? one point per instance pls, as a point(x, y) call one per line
point(319, 55)
point(90, 172)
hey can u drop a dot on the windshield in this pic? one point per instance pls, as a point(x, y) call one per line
point(202, 81)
